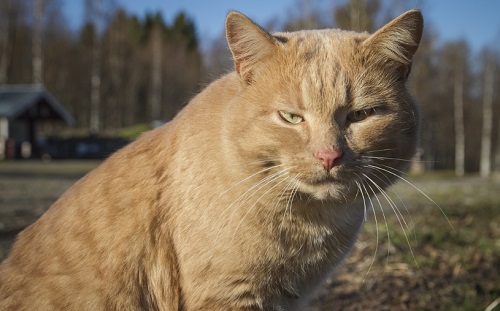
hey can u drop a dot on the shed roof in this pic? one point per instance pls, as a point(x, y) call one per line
point(31, 102)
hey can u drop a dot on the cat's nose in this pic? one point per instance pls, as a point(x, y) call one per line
point(328, 157)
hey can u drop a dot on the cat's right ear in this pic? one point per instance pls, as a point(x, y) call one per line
point(249, 43)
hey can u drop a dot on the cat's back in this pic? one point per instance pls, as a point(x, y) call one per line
point(109, 216)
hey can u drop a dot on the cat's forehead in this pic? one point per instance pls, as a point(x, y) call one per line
point(320, 41)
point(323, 53)
point(326, 62)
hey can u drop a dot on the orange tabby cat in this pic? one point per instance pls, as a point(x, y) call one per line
point(249, 198)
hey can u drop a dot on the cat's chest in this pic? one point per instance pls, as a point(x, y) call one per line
point(314, 232)
point(307, 251)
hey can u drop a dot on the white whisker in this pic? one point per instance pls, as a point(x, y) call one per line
point(376, 227)
point(388, 158)
point(292, 195)
point(261, 184)
point(390, 201)
point(398, 214)
point(416, 188)
point(257, 201)
point(241, 198)
point(245, 179)
point(392, 169)
point(411, 226)
point(278, 199)
point(364, 201)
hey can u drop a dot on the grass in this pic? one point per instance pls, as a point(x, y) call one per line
point(133, 132)
point(431, 265)
point(434, 264)
point(63, 169)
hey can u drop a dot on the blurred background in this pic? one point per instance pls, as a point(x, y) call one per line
point(114, 68)
point(81, 78)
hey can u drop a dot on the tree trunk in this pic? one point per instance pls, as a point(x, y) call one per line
point(95, 87)
point(94, 12)
point(458, 99)
point(6, 41)
point(485, 161)
point(156, 73)
point(37, 58)
point(355, 12)
point(497, 152)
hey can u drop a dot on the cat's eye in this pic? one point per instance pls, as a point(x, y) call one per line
point(360, 115)
point(290, 117)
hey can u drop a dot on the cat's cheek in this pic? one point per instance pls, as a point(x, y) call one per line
point(362, 138)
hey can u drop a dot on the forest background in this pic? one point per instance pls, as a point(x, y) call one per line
point(120, 72)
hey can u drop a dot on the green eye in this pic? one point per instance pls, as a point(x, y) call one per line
point(360, 115)
point(290, 117)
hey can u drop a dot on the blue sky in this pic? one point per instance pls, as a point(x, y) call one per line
point(476, 21)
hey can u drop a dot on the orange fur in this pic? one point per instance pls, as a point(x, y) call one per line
point(228, 207)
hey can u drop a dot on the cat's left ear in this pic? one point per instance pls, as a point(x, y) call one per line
point(399, 39)
point(249, 43)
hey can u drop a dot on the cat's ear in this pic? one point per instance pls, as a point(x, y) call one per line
point(249, 43)
point(399, 39)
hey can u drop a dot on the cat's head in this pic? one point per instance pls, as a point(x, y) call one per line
point(327, 108)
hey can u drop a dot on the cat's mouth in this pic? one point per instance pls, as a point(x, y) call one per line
point(326, 187)
point(325, 180)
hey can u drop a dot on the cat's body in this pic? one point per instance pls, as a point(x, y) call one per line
point(247, 200)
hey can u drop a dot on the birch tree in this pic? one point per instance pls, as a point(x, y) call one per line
point(10, 12)
point(358, 15)
point(487, 129)
point(458, 102)
point(94, 15)
point(454, 81)
point(497, 152)
point(37, 57)
point(156, 69)
point(4, 38)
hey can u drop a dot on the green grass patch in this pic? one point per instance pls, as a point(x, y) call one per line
point(132, 132)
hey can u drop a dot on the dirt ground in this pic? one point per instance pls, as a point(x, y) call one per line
point(422, 256)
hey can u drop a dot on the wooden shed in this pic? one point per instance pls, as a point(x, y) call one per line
point(22, 108)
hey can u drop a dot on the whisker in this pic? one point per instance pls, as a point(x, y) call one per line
point(380, 150)
point(392, 168)
point(376, 224)
point(398, 214)
point(280, 198)
point(384, 193)
point(245, 179)
point(393, 159)
point(418, 189)
point(259, 185)
point(257, 201)
point(292, 196)
point(290, 187)
point(411, 226)
point(365, 215)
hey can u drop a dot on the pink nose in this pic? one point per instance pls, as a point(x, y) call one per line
point(328, 157)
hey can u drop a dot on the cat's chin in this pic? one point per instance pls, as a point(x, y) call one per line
point(326, 189)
